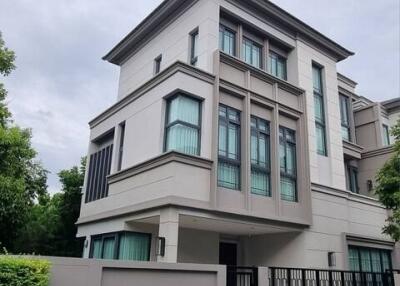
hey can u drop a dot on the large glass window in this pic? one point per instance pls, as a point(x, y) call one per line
point(260, 157)
point(183, 125)
point(319, 113)
point(345, 117)
point(386, 136)
point(251, 53)
point(277, 65)
point(122, 246)
point(229, 148)
point(369, 259)
point(288, 169)
point(227, 39)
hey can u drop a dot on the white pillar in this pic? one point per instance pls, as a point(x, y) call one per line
point(169, 228)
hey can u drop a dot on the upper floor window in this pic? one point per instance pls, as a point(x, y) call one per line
point(121, 145)
point(183, 125)
point(229, 148)
point(320, 127)
point(194, 39)
point(260, 157)
point(277, 65)
point(369, 259)
point(386, 135)
point(287, 155)
point(251, 52)
point(99, 169)
point(352, 174)
point(227, 39)
point(157, 64)
point(121, 245)
point(345, 117)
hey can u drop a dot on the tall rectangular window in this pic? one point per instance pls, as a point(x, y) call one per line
point(366, 259)
point(229, 148)
point(277, 65)
point(251, 53)
point(345, 117)
point(121, 246)
point(260, 157)
point(157, 64)
point(227, 39)
point(121, 145)
point(183, 125)
point(288, 169)
point(386, 135)
point(194, 39)
point(99, 169)
point(352, 174)
point(319, 114)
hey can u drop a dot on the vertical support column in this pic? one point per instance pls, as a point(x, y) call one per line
point(169, 228)
point(263, 279)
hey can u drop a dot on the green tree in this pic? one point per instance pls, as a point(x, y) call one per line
point(22, 180)
point(388, 187)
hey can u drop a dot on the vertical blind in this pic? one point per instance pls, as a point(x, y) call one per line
point(99, 169)
point(183, 125)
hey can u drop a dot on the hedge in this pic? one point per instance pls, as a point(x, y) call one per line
point(23, 271)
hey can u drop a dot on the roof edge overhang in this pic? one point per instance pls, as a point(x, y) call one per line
point(169, 9)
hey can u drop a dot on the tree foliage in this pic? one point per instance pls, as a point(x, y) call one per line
point(388, 187)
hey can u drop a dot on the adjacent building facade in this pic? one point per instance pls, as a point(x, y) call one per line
point(235, 141)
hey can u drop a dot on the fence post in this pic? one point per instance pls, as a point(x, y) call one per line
point(330, 278)
point(303, 277)
point(263, 276)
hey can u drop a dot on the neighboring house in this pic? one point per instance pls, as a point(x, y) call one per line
point(234, 140)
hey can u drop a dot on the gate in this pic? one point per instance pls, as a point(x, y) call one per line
point(241, 276)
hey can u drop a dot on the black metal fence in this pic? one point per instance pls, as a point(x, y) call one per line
point(241, 276)
point(279, 276)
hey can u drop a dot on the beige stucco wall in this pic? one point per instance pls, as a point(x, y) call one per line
point(173, 44)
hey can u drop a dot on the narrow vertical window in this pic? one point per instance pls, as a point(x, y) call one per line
point(251, 53)
point(320, 127)
point(183, 125)
point(260, 157)
point(121, 145)
point(352, 173)
point(194, 38)
point(277, 65)
point(386, 136)
point(227, 39)
point(288, 169)
point(157, 64)
point(229, 148)
point(345, 117)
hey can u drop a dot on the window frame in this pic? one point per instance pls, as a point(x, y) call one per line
point(169, 125)
point(117, 236)
point(223, 29)
point(194, 41)
point(157, 64)
point(257, 167)
point(278, 57)
point(380, 250)
point(284, 174)
point(386, 135)
point(253, 44)
point(121, 145)
point(225, 159)
point(353, 181)
point(320, 122)
point(347, 111)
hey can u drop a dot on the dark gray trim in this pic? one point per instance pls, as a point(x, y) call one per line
point(165, 158)
point(167, 72)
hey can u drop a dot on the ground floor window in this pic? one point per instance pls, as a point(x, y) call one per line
point(369, 259)
point(121, 245)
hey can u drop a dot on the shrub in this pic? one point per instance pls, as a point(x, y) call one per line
point(23, 271)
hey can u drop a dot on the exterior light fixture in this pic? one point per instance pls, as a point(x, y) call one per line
point(160, 246)
point(331, 259)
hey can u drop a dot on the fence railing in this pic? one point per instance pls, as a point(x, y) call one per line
point(280, 276)
point(241, 276)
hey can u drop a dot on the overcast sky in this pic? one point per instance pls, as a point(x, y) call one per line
point(61, 82)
